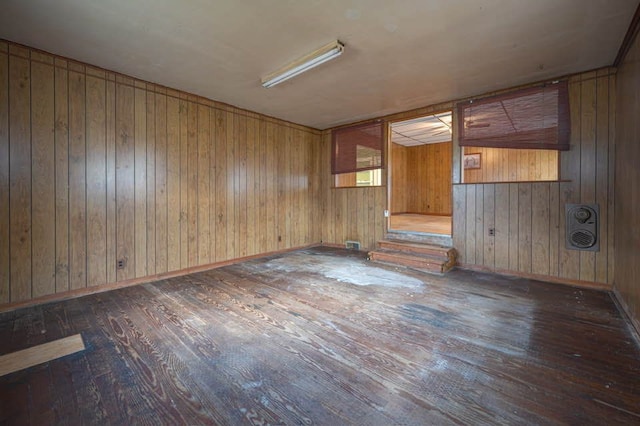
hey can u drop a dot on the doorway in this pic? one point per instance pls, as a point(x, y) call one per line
point(420, 168)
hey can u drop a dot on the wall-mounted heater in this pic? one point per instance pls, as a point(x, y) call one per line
point(582, 227)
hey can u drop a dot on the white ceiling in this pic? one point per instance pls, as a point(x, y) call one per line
point(422, 130)
point(399, 54)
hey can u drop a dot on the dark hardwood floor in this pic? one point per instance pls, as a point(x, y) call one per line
point(323, 337)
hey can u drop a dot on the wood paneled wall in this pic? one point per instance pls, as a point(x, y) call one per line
point(429, 179)
point(398, 172)
point(355, 214)
point(528, 218)
point(512, 165)
point(97, 167)
point(421, 179)
point(627, 185)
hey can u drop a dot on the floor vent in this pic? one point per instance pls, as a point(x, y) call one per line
point(352, 245)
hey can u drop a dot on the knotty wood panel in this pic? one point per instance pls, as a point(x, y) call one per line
point(627, 182)
point(104, 167)
point(511, 165)
point(529, 217)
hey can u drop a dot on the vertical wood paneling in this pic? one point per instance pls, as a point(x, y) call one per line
point(601, 174)
point(96, 181)
point(125, 190)
point(427, 173)
point(111, 137)
point(174, 213)
point(140, 182)
point(570, 171)
point(471, 224)
point(204, 167)
point(501, 240)
point(77, 180)
point(399, 188)
point(4, 177)
point(240, 184)
point(509, 165)
point(20, 177)
point(627, 182)
point(62, 176)
point(514, 217)
point(529, 217)
point(192, 184)
point(588, 162)
point(184, 182)
point(540, 228)
point(150, 188)
point(612, 171)
point(524, 227)
point(102, 167)
point(221, 184)
point(479, 224)
point(555, 238)
point(230, 183)
point(161, 184)
point(43, 179)
point(489, 215)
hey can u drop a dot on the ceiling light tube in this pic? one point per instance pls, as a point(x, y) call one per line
point(305, 63)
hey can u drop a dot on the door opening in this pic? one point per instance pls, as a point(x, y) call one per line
point(420, 168)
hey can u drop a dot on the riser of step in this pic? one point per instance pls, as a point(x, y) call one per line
point(444, 252)
point(398, 258)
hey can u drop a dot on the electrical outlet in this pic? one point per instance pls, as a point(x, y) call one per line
point(492, 232)
point(386, 213)
point(121, 263)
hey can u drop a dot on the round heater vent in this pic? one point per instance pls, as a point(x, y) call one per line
point(583, 238)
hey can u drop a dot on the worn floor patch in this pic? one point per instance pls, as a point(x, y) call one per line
point(344, 270)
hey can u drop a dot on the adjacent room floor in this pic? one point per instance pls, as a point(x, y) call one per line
point(424, 223)
point(321, 336)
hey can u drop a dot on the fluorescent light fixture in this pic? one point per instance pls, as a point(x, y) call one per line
point(305, 63)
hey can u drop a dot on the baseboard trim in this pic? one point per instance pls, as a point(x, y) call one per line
point(73, 294)
point(626, 312)
point(538, 277)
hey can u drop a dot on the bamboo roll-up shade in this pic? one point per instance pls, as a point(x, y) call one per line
point(532, 118)
point(357, 148)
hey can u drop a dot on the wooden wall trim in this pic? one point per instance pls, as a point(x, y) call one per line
point(546, 278)
point(629, 38)
point(72, 294)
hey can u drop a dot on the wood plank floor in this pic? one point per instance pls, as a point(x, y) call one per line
point(323, 337)
point(430, 224)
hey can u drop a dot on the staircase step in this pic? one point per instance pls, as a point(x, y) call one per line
point(416, 261)
point(427, 249)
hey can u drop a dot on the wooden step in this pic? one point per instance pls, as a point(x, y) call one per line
point(422, 262)
point(425, 257)
point(432, 250)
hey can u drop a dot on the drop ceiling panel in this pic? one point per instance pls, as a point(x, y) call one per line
point(422, 130)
